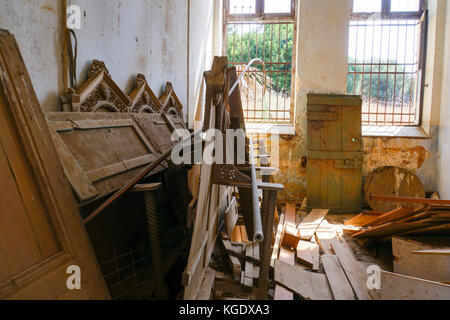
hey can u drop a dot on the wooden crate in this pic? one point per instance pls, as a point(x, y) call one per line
point(334, 145)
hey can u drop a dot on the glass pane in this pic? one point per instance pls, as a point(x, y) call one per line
point(242, 6)
point(366, 6)
point(405, 5)
point(277, 6)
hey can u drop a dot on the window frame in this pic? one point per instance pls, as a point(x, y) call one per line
point(387, 14)
point(260, 16)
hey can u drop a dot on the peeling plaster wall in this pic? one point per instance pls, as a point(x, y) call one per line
point(444, 129)
point(35, 26)
point(322, 67)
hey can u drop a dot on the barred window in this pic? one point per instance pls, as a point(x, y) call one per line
point(386, 60)
point(264, 29)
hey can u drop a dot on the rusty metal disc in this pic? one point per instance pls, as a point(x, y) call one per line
point(393, 181)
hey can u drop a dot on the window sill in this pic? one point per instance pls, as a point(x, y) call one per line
point(394, 132)
point(270, 128)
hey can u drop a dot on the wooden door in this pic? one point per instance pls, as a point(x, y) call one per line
point(334, 152)
point(41, 233)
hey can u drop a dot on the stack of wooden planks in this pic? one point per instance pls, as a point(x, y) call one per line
point(314, 262)
point(430, 220)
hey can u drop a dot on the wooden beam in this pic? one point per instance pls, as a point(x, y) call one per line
point(342, 290)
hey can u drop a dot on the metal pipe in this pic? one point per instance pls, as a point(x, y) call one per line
point(257, 224)
point(409, 199)
point(253, 61)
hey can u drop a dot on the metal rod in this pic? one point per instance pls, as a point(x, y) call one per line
point(409, 199)
point(130, 184)
point(257, 224)
point(269, 203)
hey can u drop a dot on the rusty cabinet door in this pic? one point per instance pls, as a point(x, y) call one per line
point(334, 152)
point(41, 233)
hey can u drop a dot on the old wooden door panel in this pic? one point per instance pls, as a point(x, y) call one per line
point(41, 232)
point(153, 125)
point(334, 152)
point(109, 149)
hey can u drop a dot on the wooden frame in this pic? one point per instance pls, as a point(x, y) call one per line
point(24, 121)
point(259, 13)
point(386, 12)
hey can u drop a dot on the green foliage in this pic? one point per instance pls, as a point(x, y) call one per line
point(385, 81)
point(272, 43)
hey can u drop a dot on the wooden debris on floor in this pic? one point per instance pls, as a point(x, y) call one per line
point(396, 286)
point(322, 267)
point(425, 220)
point(433, 267)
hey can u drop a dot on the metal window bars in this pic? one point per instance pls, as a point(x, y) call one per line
point(266, 97)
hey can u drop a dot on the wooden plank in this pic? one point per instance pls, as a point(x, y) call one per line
point(389, 229)
point(352, 268)
point(389, 216)
point(308, 254)
point(341, 288)
point(324, 239)
point(231, 216)
point(439, 230)
point(277, 242)
point(308, 285)
point(287, 256)
point(235, 264)
point(290, 237)
point(429, 267)
point(311, 222)
point(290, 214)
point(360, 220)
point(206, 289)
point(282, 293)
point(400, 287)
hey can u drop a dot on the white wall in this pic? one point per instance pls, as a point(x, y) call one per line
point(35, 25)
point(130, 36)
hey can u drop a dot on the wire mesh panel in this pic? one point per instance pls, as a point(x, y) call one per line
point(383, 67)
point(266, 96)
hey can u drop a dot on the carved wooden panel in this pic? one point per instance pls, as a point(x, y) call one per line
point(99, 93)
point(41, 232)
point(143, 100)
point(171, 101)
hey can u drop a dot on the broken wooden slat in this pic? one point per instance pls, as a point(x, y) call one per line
point(389, 229)
point(341, 288)
point(231, 216)
point(277, 243)
point(282, 293)
point(206, 289)
point(290, 237)
point(234, 262)
point(290, 214)
point(387, 217)
point(311, 222)
point(308, 285)
point(308, 254)
point(324, 239)
point(360, 219)
point(352, 268)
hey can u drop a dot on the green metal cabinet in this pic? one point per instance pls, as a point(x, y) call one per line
point(334, 152)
